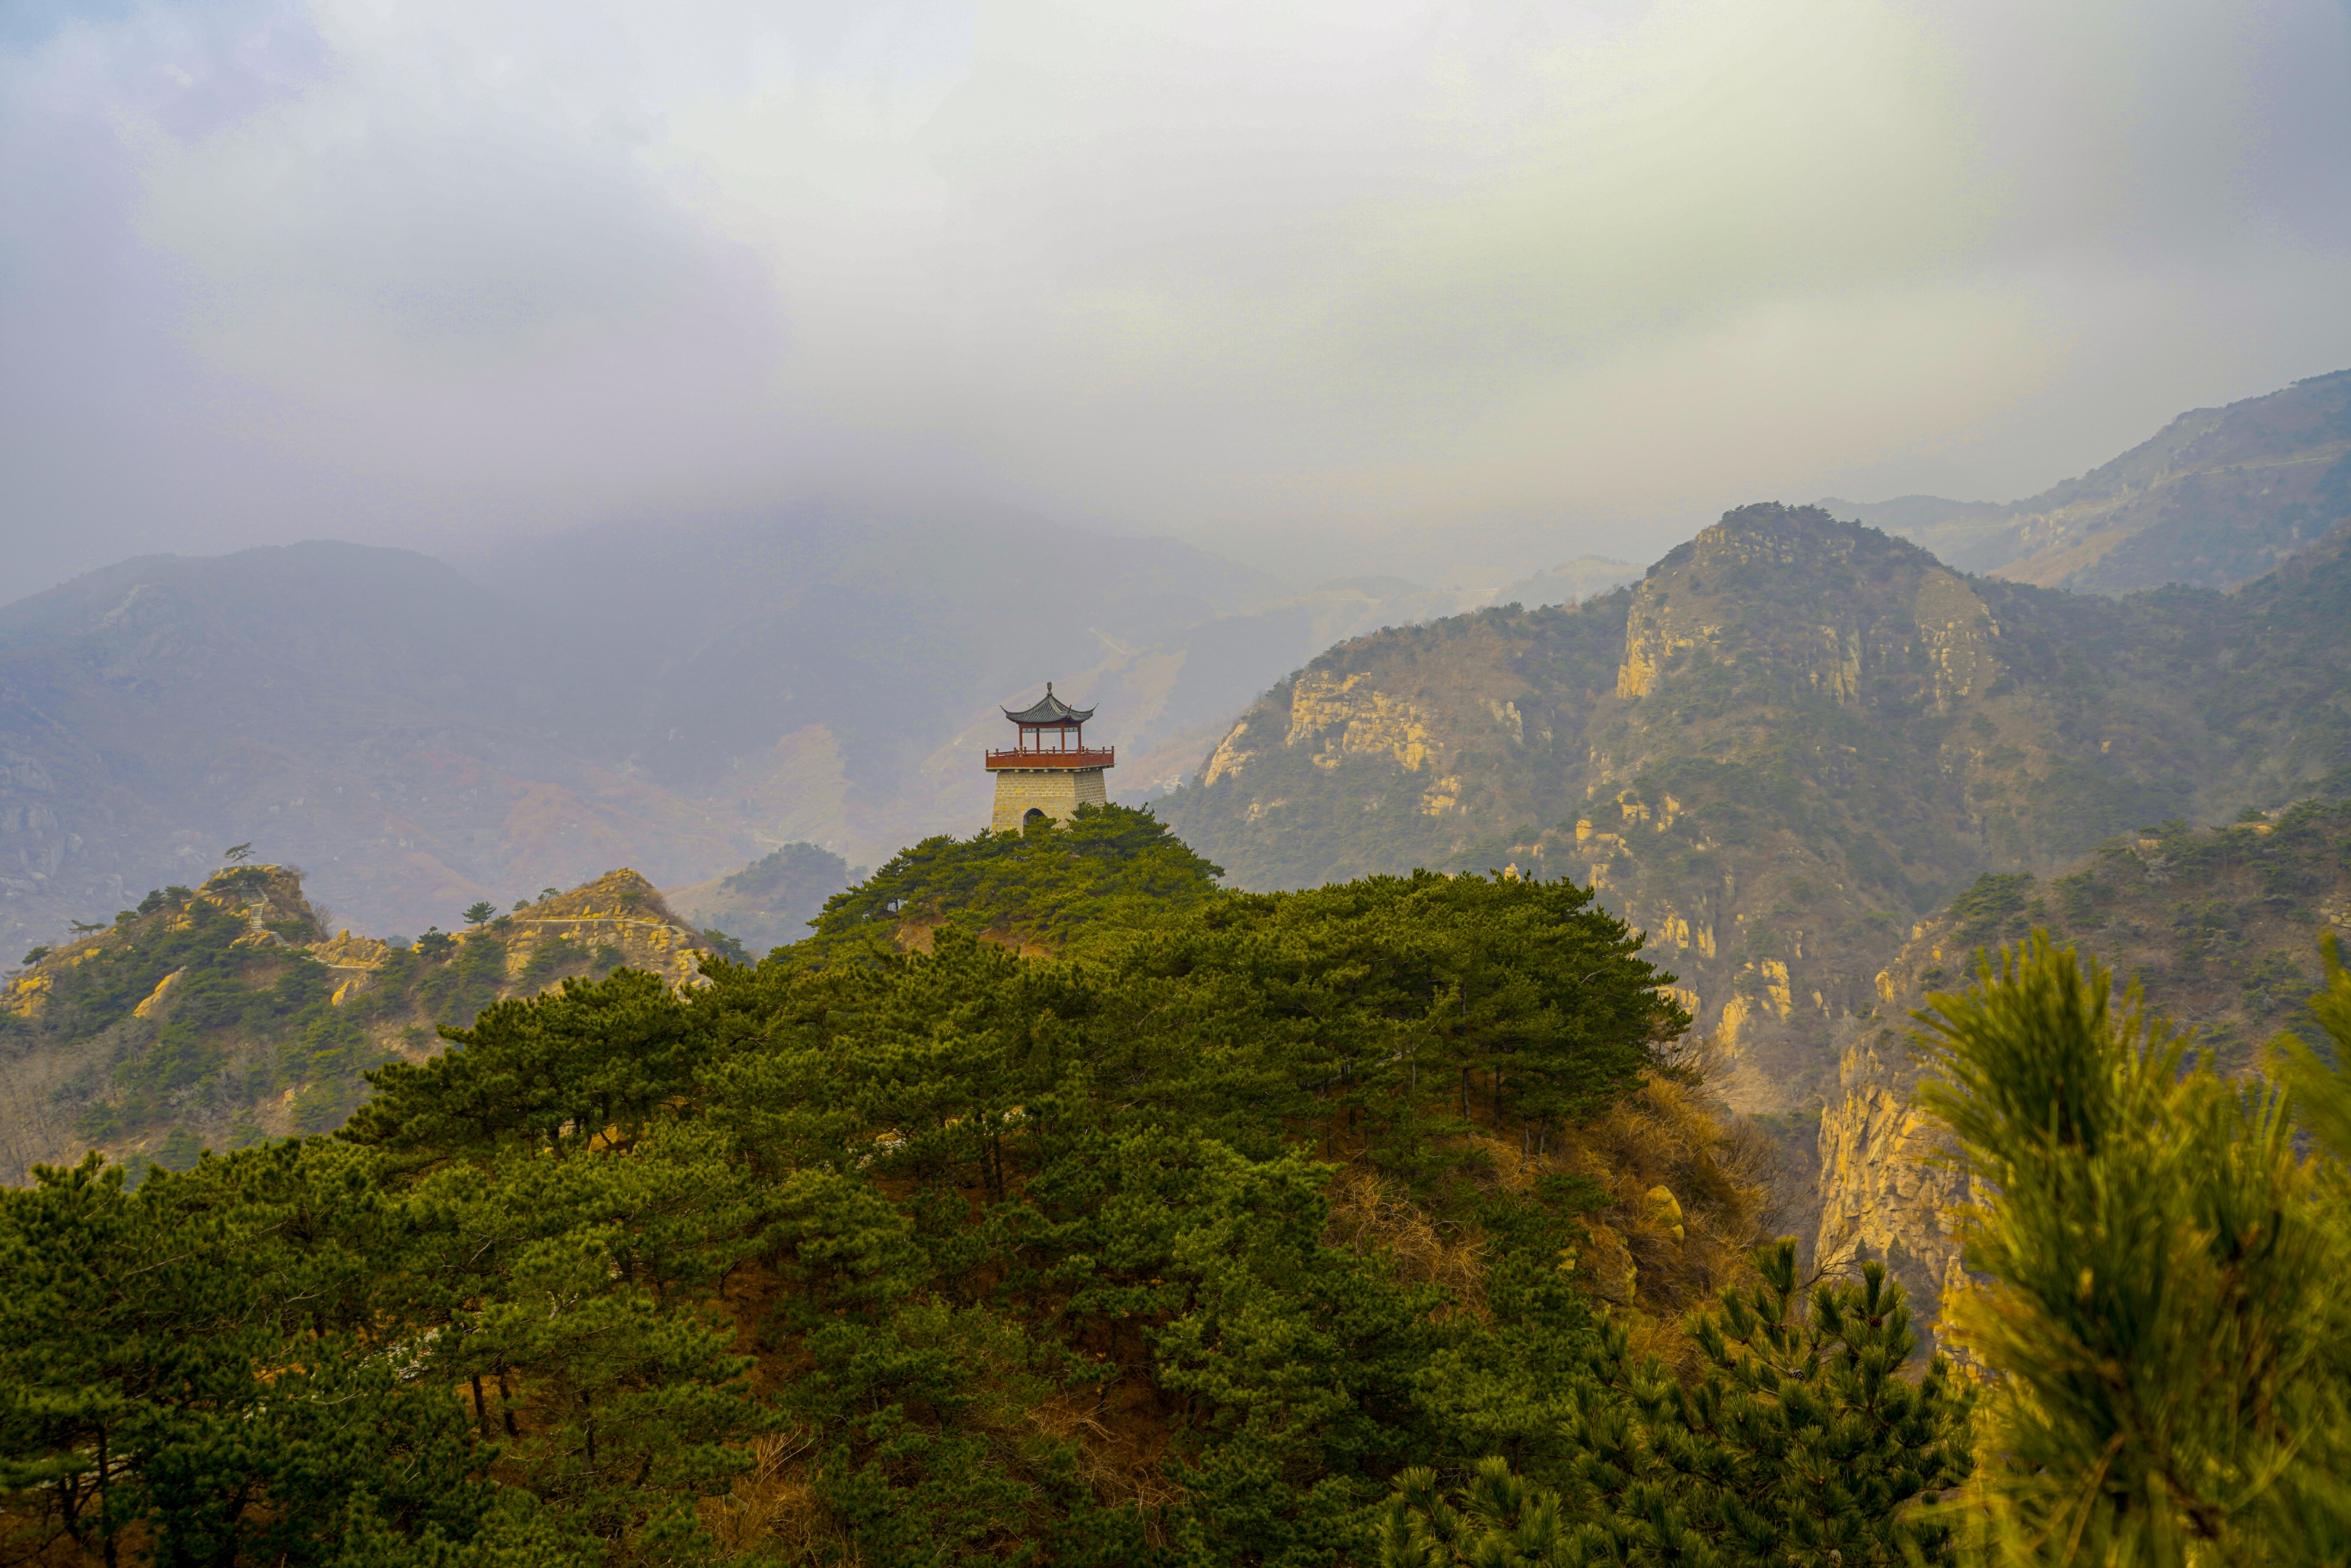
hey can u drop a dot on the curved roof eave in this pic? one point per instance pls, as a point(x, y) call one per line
point(1049, 709)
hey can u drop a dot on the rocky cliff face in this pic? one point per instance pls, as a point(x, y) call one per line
point(1791, 740)
point(619, 919)
point(1820, 770)
point(621, 912)
point(1888, 1187)
point(2216, 929)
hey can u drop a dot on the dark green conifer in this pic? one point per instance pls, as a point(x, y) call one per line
point(1802, 1443)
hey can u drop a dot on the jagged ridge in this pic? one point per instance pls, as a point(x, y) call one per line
point(1796, 735)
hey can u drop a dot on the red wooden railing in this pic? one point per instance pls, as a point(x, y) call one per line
point(1105, 757)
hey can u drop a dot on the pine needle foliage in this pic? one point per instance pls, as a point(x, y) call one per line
point(1111, 871)
point(2162, 1306)
point(1803, 1444)
point(954, 1256)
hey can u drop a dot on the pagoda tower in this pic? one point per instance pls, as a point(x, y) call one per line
point(1050, 772)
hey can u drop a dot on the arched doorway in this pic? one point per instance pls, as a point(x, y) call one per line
point(1033, 815)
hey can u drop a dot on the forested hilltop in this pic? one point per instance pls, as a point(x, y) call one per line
point(1789, 742)
point(227, 1014)
point(1126, 1220)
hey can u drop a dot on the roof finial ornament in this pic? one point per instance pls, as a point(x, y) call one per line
point(1048, 688)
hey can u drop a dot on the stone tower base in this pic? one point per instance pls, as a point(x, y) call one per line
point(1058, 792)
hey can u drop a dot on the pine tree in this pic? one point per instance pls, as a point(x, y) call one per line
point(2165, 1316)
point(1803, 1444)
point(190, 1370)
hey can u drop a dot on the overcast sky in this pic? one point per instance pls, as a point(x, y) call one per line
point(1395, 283)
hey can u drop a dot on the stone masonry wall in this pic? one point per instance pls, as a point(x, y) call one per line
point(1055, 791)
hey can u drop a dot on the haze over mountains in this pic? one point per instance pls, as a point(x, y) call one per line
point(682, 702)
point(1809, 759)
point(689, 699)
point(523, 523)
point(1792, 739)
point(2215, 498)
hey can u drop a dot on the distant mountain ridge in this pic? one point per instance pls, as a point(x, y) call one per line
point(771, 902)
point(689, 699)
point(2216, 498)
point(1570, 583)
point(1796, 735)
point(685, 700)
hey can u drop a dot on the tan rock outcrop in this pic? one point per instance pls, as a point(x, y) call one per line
point(1605, 1265)
point(1650, 641)
point(1889, 1183)
point(24, 994)
point(1230, 756)
point(619, 910)
point(267, 896)
point(1366, 722)
point(154, 1003)
point(1957, 631)
point(345, 951)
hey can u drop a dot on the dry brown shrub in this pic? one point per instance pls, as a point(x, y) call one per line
point(1668, 1136)
point(916, 935)
point(774, 1505)
point(1116, 1425)
point(1370, 1216)
point(1118, 1460)
point(1647, 1336)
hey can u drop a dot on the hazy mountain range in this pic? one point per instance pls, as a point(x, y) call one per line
point(1807, 752)
point(683, 700)
point(2217, 497)
point(686, 699)
point(1792, 739)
